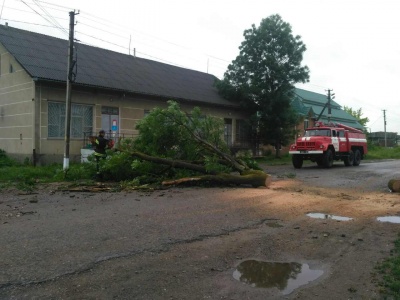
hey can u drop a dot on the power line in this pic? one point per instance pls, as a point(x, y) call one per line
point(54, 21)
point(25, 11)
point(30, 23)
point(65, 8)
point(96, 19)
point(53, 6)
point(2, 8)
point(49, 17)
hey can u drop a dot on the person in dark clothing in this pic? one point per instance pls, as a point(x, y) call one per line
point(100, 145)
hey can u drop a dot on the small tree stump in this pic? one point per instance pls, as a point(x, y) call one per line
point(394, 185)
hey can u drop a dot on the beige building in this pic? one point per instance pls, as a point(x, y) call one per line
point(111, 91)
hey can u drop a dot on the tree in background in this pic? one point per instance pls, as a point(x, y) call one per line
point(262, 78)
point(357, 114)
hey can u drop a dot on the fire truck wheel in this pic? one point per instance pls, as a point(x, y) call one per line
point(328, 158)
point(297, 161)
point(357, 158)
point(349, 160)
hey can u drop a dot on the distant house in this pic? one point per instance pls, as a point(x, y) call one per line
point(310, 106)
point(112, 91)
point(381, 138)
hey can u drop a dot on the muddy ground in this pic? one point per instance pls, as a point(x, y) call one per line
point(196, 243)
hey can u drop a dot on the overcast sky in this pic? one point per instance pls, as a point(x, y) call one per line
point(353, 46)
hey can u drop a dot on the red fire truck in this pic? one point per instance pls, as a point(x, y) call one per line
point(325, 143)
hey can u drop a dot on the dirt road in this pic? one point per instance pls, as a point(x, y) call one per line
point(197, 243)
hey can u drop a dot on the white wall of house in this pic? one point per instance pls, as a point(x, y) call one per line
point(16, 107)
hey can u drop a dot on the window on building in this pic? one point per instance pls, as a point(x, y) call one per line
point(11, 68)
point(81, 120)
point(228, 131)
point(306, 123)
point(241, 131)
point(109, 110)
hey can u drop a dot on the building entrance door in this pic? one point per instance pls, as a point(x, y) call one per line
point(110, 120)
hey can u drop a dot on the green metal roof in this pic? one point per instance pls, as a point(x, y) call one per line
point(314, 103)
point(298, 105)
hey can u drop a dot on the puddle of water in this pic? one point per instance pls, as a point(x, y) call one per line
point(284, 276)
point(389, 219)
point(326, 216)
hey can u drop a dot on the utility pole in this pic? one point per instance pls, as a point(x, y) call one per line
point(330, 96)
point(70, 79)
point(384, 124)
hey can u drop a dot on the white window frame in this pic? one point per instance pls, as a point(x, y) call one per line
point(80, 123)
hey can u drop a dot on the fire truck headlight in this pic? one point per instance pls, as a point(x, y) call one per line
point(321, 146)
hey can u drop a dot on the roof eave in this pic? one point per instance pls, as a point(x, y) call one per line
point(166, 97)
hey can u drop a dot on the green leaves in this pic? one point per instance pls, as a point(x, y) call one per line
point(357, 114)
point(270, 57)
point(172, 134)
point(263, 75)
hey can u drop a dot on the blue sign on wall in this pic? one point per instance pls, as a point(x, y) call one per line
point(114, 126)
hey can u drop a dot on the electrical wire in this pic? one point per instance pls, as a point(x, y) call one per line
point(48, 19)
point(30, 23)
point(96, 19)
point(28, 12)
point(65, 8)
point(54, 21)
point(216, 62)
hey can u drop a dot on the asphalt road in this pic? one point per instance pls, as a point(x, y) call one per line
point(80, 245)
point(368, 176)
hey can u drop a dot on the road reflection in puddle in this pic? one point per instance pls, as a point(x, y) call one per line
point(326, 216)
point(389, 219)
point(284, 276)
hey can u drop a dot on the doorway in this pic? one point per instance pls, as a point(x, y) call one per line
point(110, 120)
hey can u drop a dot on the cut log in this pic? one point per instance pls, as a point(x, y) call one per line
point(394, 185)
point(254, 178)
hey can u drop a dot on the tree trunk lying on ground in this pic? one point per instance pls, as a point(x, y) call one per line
point(247, 176)
point(394, 185)
point(254, 178)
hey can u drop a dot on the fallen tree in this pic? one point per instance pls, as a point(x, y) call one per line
point(194, 145)
point(247, 176)
point(254, 178)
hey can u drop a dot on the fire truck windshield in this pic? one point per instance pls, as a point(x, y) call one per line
point(318, 132)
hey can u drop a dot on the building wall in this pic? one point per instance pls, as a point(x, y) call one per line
point(24, 116)
point(16, 107)
point(304, 122)
point(131, 110)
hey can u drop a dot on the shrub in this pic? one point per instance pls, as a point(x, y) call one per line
point(6, 161)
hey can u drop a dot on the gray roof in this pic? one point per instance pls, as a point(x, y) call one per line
point(45, 58)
